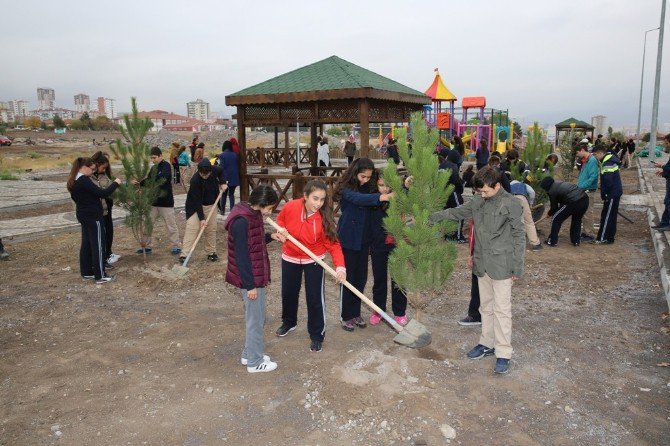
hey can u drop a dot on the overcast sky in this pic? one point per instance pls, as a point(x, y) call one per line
point(542, 60)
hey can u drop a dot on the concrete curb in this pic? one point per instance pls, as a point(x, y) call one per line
point(659, 239)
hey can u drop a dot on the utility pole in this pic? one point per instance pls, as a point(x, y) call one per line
point(639, 109)
point(657, 87)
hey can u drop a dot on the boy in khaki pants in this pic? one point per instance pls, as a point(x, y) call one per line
point(202, 194)
point(500, 241)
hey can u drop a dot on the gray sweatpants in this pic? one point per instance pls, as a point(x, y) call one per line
point(254, 315)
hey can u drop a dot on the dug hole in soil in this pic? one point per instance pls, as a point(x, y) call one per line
point(152, 359)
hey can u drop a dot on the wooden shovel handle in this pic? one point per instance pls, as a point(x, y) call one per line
point(332, 272)
point(202, 230)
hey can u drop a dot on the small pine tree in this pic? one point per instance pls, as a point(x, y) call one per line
point(134, 153)
point(534, 155)
point(422, 261)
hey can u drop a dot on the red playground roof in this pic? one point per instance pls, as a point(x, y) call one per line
point(473, 101)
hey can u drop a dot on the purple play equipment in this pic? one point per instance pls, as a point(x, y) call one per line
point(477, 131)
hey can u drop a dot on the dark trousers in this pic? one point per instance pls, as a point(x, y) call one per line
point(350, 159)
point(473, 308)
point(576, 210)
point(291, 281)
point(230, 193)
point(176, 174)
point(109, 234)
point(380, 262)
point(608, 218)
point(92, 251)
point(665, 218)
point(357, 274)
point(455, 200)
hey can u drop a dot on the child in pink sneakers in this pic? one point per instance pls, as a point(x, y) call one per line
point(380, 249)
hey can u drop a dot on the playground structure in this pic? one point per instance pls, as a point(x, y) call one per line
point(489, 126)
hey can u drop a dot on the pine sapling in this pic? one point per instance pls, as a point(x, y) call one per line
point(134, 154)
point(423, 260)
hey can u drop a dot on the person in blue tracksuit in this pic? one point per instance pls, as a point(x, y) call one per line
point(611, 190)
point(86, 196)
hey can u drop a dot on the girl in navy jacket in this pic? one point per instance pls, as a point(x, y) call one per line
point(355, 233)
point(86, 196)
point(382, 246)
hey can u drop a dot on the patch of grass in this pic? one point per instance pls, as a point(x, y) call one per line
point(35, 155)
point(6, 174)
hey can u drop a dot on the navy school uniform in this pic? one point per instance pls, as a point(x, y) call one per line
point(86, 196)
point(354, 231)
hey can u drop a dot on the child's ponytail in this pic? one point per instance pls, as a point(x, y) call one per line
point(76, 165)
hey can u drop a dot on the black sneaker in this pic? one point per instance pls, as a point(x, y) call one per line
point(468, 321)
point(537, 247)
point(182, 259)
point(284, 329)
point(108, 266)
point(662, 228)
point(103, 280)
point(548, 243)
point(660, 225)
point(144, 251)
point(602, 242)
point(212, 257)
point(462, 241)
point(575, 244)
point(479, 351)
point(315, 346)
point(586, 237)
point(502, 366)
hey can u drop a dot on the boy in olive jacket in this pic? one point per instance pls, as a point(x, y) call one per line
point(500, 242)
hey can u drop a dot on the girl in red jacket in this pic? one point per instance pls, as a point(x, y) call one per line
point(249, 270)
point(310, 220)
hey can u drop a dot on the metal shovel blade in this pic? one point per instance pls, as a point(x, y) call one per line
point(414, 335)
point(181, 270)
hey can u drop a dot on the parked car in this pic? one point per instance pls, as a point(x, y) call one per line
point(4, 141)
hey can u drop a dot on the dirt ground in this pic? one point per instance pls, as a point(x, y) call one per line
point(151, 359)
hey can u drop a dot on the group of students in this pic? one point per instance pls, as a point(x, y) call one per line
point(596, 164)
point(91, 185)
point(359, 236)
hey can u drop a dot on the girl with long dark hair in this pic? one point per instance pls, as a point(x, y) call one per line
point(310, 220)
point(86, 196)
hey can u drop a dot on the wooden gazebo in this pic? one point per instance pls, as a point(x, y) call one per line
point(572, 124)
point(331, 91)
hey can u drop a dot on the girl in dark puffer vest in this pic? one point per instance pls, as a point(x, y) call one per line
point(249, 270)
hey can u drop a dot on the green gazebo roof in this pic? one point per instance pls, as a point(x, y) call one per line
point(578, 124)
point(329, 75)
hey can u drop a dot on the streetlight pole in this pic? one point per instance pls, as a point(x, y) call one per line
point(639, 109)
point(657, 87)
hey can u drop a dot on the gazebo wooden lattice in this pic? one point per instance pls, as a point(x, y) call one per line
point(331, 91)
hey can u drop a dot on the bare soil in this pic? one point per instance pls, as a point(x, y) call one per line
point(152, 359)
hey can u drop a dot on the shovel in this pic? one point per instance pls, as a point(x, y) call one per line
point(412, 335)
point(181, 270)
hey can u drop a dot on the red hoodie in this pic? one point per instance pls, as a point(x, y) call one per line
point(308, 230)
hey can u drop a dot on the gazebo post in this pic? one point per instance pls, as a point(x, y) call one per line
point(312, 144)
point(364, 119)
point(287, 150)
point(276, 138)
point(242, 141)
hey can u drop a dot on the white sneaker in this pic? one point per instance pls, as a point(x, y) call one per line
point(244, 361)
point(113, 258)
point(265, 366)
point(104, 279)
